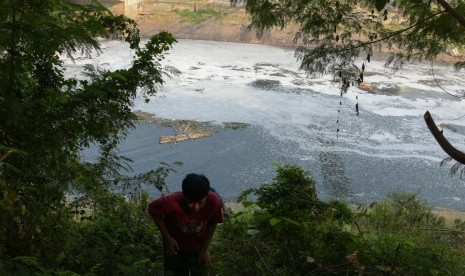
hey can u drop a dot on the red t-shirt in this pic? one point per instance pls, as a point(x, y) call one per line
point(187, 228)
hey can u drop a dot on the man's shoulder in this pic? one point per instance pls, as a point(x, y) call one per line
point(173, 197)
point(214, 201)
point(213, 196)
point(215, 207)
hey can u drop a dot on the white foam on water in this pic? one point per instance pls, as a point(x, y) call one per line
point(261, 85)
point(226, 70)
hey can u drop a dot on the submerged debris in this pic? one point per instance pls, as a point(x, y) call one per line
point(370, 88)
point(169, 139)
point(266, 84)
point(235, 125)
point(185, 130)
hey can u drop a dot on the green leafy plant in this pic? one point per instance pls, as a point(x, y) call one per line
point(401, 235)
point(48, 119)
point(287, 230)
point(114, 237)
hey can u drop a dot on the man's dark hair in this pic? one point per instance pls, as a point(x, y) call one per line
point(195, 186)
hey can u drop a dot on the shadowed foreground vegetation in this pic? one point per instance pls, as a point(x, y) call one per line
point(289, 231)
point(286, 230)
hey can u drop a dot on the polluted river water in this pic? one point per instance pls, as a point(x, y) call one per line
point(293, 118)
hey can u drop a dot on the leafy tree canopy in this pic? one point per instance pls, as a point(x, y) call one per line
point(336, 32)
point(47, 119)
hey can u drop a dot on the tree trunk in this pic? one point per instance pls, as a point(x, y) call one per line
point(442, 141)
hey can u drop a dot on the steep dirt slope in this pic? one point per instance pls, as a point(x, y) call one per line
point(223, 23)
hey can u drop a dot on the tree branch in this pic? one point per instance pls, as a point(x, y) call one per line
point(457, 155)
point(389, 36)
point(460, 18)
point(5, 155)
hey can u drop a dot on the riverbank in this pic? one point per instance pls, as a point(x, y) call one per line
point(219, 21)
point(207, 20)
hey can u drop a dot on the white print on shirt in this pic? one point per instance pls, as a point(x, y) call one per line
point(193, 226)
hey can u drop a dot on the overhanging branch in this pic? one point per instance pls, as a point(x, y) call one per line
point(442, 141)
point(390, 35)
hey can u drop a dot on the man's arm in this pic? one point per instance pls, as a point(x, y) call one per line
point(171, 245)
point(204, 253)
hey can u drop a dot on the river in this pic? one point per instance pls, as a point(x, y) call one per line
point(293, 119)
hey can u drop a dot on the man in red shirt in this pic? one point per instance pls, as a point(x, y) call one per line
point(187, 221)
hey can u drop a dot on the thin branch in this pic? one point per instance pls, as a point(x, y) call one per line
point(263, 261)
point(363, 238)
point(127, 178)
point(5, 155)
point(437, 83)
point(389, 36)
point(457, 155)
point(458, 118)
point(443, 230)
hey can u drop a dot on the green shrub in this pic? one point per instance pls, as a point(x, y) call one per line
point(400, 235)
point(110, 234)
point(200, 15)
point(116, 237)
point(287, 230)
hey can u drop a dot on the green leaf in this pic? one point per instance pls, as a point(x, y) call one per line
point(247, 203)
point(275, 221)
point(291, 221)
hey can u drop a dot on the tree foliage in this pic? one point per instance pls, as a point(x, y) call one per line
point(47, 118)
point(338, 31)
point(334, 33)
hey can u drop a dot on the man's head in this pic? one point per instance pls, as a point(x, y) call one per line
point(195, 188)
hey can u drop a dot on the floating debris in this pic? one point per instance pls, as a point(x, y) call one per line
point(169, 139)
point(185, 130)
point(370, 88)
